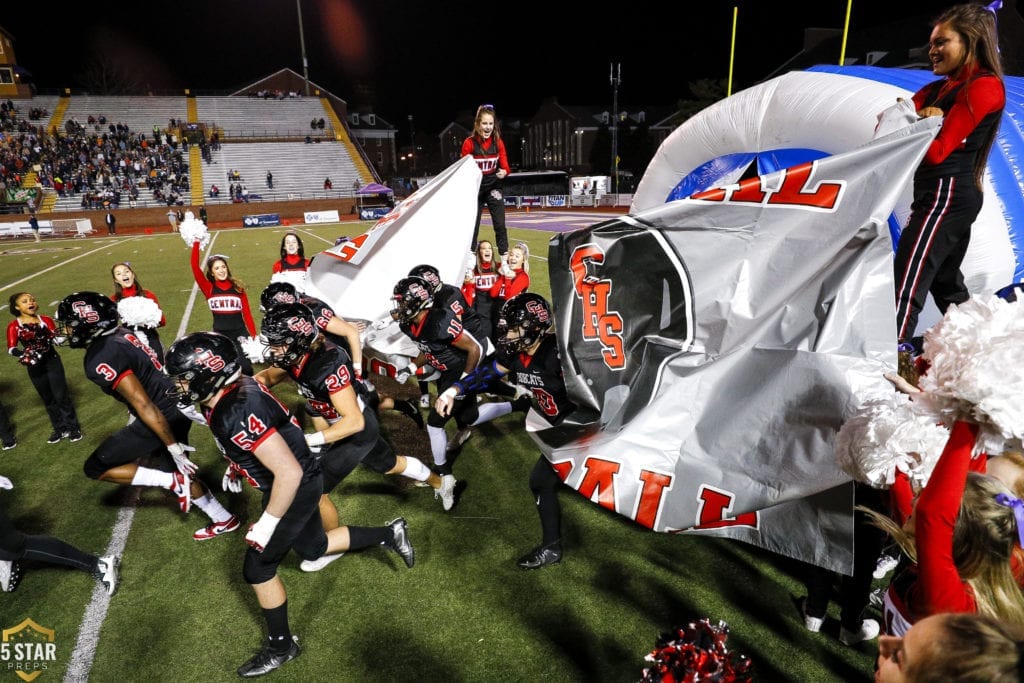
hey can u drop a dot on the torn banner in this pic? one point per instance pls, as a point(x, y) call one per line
point(716, 344)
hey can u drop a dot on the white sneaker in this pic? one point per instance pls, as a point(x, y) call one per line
point(319, 563)
point(813, 624)
point(10, 575)
point(108, 572)
point(447, 492)
point(869, 630)
point(461, 436)
point(886, 563)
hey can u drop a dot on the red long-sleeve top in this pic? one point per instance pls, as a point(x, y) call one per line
point(980, 95)
point(230, 306)
point(507, 287)
point(489, 154)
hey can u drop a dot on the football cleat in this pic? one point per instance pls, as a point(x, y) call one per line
point(214, 529)
point(55, 437)
point(108, 571)
point(267, 660)
point(409, 409)
point(447, 492)
point(319, 563)
point(460, 437)
point(10, 575)
point(400, 542)
point(541, 556)
point(181, 486)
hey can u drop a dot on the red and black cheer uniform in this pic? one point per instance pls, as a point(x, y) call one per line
point(152, 336)
point(244, 417)
point(947, 198)
point(291, 262)
point(933, 585)
point(318, 376)
point(45, 370)
point(490, 156)
point(107, 361)
point(230, 308)
point(478, 294)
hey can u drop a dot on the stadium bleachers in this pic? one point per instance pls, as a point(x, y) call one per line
point(139, 113)
point(250, 117)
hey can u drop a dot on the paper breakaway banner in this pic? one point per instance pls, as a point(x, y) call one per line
point(716, 344)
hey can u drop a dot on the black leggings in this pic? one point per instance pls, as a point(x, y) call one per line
point(15, 545)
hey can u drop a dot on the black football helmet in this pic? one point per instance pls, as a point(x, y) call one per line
point(527, 313)
point(200, 364)
point(412, 295)
point(278, 293)
point(292, 326)
point(428, 273)
point(84, 316)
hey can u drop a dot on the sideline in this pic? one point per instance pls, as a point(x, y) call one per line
point(81, 659)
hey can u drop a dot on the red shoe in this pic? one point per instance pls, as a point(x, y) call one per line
point(217, 528)
point(182, 488)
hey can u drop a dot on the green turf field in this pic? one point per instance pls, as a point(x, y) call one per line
point(464, 613)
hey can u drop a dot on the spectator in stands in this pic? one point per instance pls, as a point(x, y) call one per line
point(270, 180)
point(320, 124)
point(214, 190)
point(488, 150)
point(327, 183)
point(202, 214)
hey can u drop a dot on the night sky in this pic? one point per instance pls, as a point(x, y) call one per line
point(434, 60)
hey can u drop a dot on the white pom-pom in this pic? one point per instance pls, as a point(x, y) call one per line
point(254, 349)
point(296, 278)
point(139, 311)
point(193, 230)
point(886, 435)
point(975, 373)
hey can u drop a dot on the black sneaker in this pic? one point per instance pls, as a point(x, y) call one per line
point(55, 437)
point(400, 543)
point(409, 409)
point(267, 660)
point(541, 556)
point(73, 435)
point(10, 443)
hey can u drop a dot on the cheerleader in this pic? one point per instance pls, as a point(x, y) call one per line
point(34, 333)
point(227, 299)
point(293, 255)
point(126, 285)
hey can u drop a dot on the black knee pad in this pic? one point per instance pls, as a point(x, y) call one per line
point(434, 418)
point(93, 468)
point(255, 571)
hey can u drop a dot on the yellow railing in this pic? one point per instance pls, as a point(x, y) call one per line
point(341, 135)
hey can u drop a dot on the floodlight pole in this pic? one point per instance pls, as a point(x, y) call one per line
point(302, 44)
point(615, 76)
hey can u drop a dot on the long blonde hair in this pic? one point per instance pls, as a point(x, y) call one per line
point(984, 537)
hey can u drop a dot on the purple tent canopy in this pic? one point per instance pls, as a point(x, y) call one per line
point(375, 188)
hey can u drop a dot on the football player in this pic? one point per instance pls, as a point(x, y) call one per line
point(124, 367)
point(16, 546)
point(323, 374)
point(528, 354)
point(265, 446)
point(342, 333)
point(453, 346)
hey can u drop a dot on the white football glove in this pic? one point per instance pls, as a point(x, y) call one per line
point(443, 404)
point(231, 482)
point(182, 461)
point(315, 441)
point(260, 532)
point(402, 376)
point(5, 483)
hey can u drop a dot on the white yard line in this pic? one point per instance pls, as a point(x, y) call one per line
point(58, 265)
point(81, 659)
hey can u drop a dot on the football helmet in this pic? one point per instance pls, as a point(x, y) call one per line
point(291, 326)
point(428, 273)
point(278, 293)
point(84, 316)
point(412, 295)
point(530, 315)
point(200, 364)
